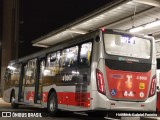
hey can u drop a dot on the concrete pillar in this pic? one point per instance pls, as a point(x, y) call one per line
point(9, 37)
point(1, 15)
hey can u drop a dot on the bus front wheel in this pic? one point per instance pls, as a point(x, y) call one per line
point(52, 105)
point(13, 104)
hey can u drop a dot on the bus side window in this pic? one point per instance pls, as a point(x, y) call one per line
point(85, 54)
point(51, 67)
point(158, 64)
point(31, 72)
point(7, 78)
point(69, 57)
point(6, 74)
point(12, 75)
point(42, 68)
point(15, 75)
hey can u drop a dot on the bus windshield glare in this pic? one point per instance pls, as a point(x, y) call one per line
point(127, 45)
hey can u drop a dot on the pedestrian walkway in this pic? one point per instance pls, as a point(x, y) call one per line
point(1, 100)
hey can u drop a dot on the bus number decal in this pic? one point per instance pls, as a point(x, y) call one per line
point(67, 78)
point(141, 77)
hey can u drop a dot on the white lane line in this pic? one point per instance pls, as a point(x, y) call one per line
point(153, 118)
point(111, 118)
point(81, 113)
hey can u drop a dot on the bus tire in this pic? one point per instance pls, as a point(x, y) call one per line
point(52, 105)
point(13, 104)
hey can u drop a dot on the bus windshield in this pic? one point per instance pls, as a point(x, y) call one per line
point(127, 45)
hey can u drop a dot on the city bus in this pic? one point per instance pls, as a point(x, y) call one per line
point(105, 70)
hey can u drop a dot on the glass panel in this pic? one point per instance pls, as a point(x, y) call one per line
point(24, 80)
point(30, 74)
point(15, 74)
point(125, 45)
point(85, 54)
point(6, 79)
point(69, 57)
point(42, 67)
point(52, 67)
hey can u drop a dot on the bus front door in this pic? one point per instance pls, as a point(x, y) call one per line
point(38, 83)
point(84, 71)
point(22, 84)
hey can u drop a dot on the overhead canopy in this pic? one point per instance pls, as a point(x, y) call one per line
point(120, 14)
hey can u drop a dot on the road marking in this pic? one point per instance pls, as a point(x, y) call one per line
point(153, 118)
point(81, 113)
point(111, 118)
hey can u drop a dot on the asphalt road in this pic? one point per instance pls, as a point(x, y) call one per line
point(63, 115)
point(5, 107)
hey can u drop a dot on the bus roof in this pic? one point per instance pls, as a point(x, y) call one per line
point(70, 42)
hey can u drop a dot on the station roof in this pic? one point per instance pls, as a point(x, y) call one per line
point(120, 14)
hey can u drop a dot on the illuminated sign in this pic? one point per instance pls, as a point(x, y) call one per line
point(127, 40)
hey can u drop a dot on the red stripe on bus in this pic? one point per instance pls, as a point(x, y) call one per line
point(30, 96)
point(65, 98)
point(44, 96)
point(70, 98)
point(74, 99)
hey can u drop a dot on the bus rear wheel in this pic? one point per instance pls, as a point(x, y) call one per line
point(13, 104)
point(52, 105)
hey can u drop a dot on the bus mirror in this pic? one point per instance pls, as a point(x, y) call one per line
point(97, 38)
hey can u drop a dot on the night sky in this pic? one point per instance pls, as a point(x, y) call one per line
point(39, 17)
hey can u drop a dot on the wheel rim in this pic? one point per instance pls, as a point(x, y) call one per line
point(52, 105)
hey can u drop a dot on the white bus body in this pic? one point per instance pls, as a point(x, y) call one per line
point(101, 71)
